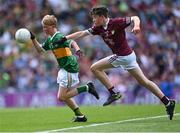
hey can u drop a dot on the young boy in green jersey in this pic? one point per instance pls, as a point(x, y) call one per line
point(69, 68)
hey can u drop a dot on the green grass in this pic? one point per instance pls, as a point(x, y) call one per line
point(42, 119)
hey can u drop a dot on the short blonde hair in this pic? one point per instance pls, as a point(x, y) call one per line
point(49, 20)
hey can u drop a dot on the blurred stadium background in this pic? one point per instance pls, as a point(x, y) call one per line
point(28, 79)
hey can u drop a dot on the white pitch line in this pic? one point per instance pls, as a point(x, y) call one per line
point(106, 123)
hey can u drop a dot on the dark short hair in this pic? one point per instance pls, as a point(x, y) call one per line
point(100, 11)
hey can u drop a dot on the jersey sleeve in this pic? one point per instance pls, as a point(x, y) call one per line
point(123, 22)
point(93, 31)
point(58, 37)
point(68, 43)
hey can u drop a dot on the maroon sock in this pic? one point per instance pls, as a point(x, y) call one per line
point(165, 100)
point(111, 90)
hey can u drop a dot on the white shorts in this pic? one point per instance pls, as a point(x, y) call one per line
point(67, 79)
point(126, 62)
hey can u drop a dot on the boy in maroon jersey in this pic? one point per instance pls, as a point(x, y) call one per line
point(112, 30)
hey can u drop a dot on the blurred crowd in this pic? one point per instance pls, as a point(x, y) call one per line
point(157, 46)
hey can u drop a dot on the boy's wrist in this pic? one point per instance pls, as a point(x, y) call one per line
point(79, 53)
point(32, 36)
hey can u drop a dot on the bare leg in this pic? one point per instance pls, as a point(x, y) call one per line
point(65, 95)
point(71, 103)
point(98, 70)
point(142, 80)
point(139, 76)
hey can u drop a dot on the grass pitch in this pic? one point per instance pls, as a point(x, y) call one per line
point(119, 118)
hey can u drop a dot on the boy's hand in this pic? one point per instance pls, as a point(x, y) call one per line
point(79, 53)
point(136, 29)
point(32, 35)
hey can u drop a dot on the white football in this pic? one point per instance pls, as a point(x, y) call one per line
point(22, 35)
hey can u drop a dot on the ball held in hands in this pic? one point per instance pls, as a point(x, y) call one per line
point(22, 35)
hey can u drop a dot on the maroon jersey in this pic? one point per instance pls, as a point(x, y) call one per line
point(114, 35)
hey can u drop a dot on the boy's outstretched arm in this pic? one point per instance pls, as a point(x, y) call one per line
point(37, 45)
point(73, 36)
point(76, 35)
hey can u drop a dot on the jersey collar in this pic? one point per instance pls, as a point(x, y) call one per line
point(54, 34)
point(106, 25)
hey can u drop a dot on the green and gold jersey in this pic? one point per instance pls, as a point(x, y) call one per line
point(62, 52)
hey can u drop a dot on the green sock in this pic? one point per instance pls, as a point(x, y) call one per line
point(77, 112)
point(82, 89)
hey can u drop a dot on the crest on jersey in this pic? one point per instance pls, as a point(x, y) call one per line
point(112, 32)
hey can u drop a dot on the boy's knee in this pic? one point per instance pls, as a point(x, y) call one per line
point(93, 68)
point(61, 98)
